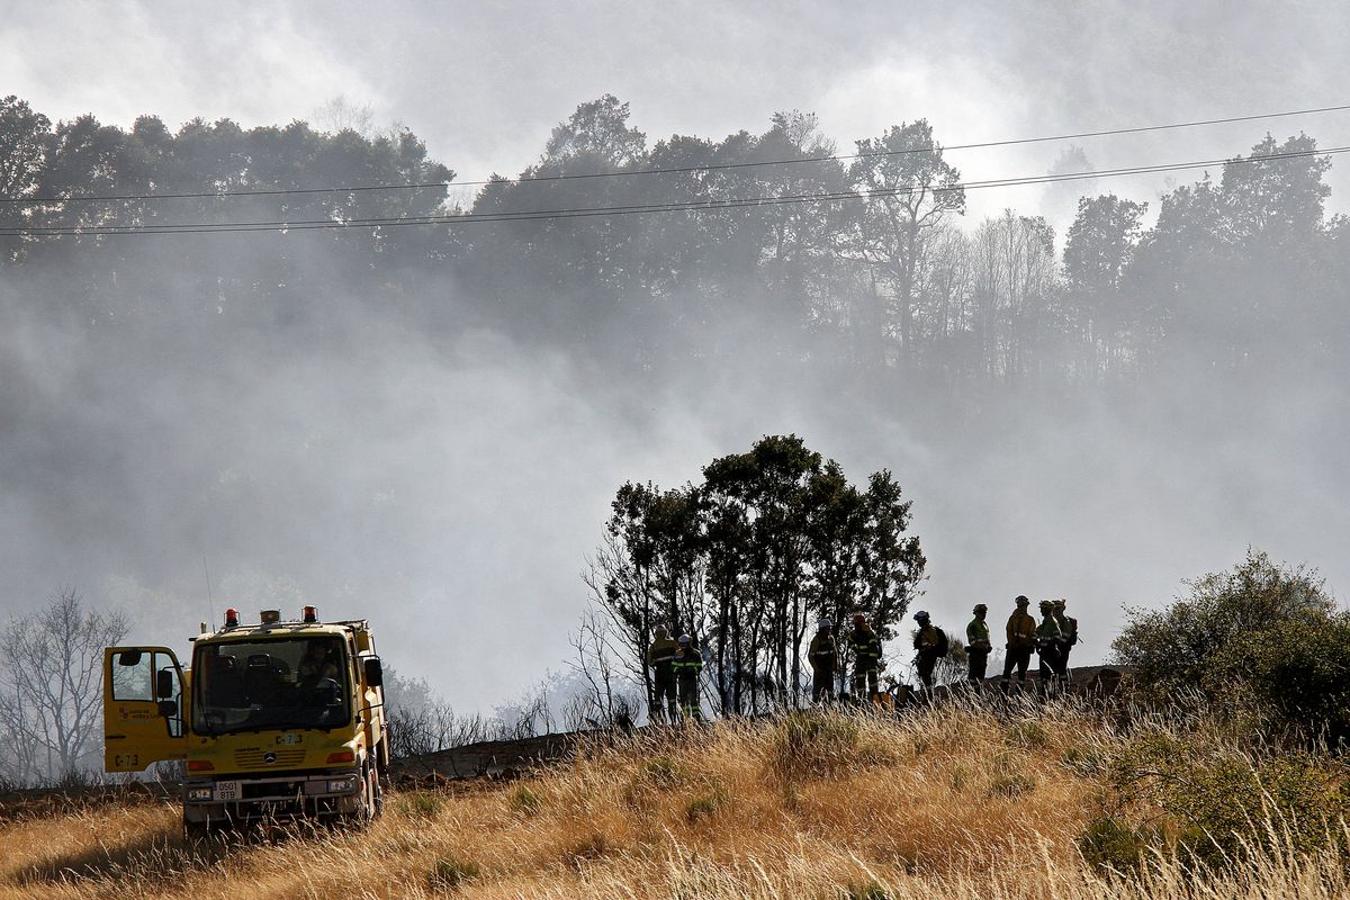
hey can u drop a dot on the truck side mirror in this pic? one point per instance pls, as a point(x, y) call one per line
point(164, 685)
point(374, 672)
point(168, 708)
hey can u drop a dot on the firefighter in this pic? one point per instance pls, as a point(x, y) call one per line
point(1021, 641)
point(823, 655)
point(688, 665)
point(316, 664)
point(978, 644)
point(928, 647)
point(1068, 627)
point(1048, 638)
point(866, 647)
point(661, 657)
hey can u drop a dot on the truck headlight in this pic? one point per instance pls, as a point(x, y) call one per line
point(199, 794)
point(342, 785)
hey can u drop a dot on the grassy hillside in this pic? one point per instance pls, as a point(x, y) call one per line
point(952, 802)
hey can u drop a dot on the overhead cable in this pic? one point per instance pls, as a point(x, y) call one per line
point(696, 205)
point(706, 167)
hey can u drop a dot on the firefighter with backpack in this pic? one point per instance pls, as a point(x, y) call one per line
point(930, 645)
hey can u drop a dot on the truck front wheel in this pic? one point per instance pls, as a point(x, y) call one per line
point(374, 791)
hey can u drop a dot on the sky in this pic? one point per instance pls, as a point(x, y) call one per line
point(490, 571)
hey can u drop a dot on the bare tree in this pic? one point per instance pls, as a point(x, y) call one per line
point(340, 114)
point(51, 682)
point(602, 701)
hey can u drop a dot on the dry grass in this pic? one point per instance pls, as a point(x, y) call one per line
point(958, 802)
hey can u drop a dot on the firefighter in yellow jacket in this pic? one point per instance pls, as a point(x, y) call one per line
point(1021, 641)
point(866, 646)
point(977, 644)
point(661, 658)
point(688, 668)
point(823, 655)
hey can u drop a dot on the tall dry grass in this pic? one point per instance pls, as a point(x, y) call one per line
point(963, 801)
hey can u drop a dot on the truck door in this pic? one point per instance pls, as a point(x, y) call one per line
point(142, 708)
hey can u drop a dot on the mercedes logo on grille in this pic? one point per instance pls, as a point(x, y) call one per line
point(269, 758)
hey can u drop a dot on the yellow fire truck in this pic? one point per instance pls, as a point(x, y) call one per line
point(279, 718)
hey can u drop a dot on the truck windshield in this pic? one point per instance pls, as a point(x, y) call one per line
point(299, 682)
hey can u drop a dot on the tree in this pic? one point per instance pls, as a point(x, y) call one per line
point(1099, 249)
point(598, 132)
point(1014, 287)
point(772, 539)
point(24, 136)
point(910, 191)
point(52, 683)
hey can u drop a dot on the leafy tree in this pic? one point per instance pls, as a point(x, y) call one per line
point(1099, 249)
point(597, 131)
point(773, 539)
point(910, 191)
point(24, 136)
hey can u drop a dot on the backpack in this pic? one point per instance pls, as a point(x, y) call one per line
point(943, 645)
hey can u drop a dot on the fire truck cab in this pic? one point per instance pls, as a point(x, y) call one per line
point(274, 719)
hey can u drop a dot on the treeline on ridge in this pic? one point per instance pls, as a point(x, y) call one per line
point(1239, 272)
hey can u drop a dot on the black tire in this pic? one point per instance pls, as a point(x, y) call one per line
point(371, 799)
point(377, 786)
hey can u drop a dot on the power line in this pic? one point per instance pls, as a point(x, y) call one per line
point(702, 205)
point(352, 189)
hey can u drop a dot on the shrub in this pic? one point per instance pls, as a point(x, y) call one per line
point(423, 805)
point(1172, 650)
point(704, 805)
point(450, 872)
point(1225, 803)
point(1109, 843)
point(524, 800)
point(1295, 675)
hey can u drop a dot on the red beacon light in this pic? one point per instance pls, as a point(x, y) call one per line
point(231, 618)
point(310, 614)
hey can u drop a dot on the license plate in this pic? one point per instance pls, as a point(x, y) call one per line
point(227, 790)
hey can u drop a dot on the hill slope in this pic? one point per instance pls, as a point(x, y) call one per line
point(951, 802)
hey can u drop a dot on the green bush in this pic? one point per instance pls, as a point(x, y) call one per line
point(423, 805)
point(705, 805)
point(450, 872)
point(1109, 843)
point(524, 800)
point(1173, 650)
point(1262, 643)
point(1222, 801)
point(1295, 675)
